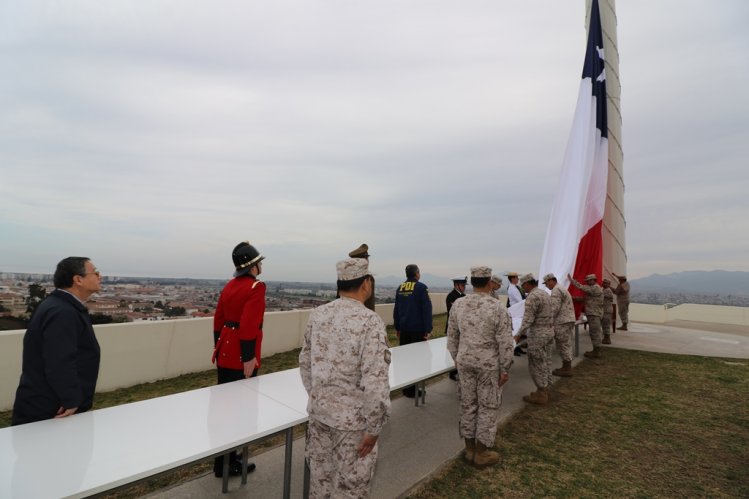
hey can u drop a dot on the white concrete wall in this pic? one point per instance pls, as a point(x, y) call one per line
point(11, 346)
point(142, 352)
point(647, 313)
point(709, 313)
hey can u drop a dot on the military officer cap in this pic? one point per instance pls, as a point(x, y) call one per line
point(496, 280)
point(459, 279)
point(527, 278)
point(481, 271)
point(549, 277)
point(512, 274)
point(352, 268)
point(591, 277)
point(360, 252)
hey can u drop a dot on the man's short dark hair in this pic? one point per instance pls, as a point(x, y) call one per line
point(480, 282)
point(351, 285)
point(67, 269)
point(411, 271)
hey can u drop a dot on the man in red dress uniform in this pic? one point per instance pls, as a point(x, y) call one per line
point(238, 330)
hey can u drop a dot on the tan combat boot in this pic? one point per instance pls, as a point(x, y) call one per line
point(470, 449)
point(565, 371)
point(606, 340)
point(594, 354)
point(484, 457)
point(540, 397)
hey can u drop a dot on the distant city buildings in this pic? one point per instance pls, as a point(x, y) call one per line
point(125, 299)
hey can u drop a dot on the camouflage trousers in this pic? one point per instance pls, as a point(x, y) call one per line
point(623, 310)
point(480, 396)
point(606, 324)
point(563, 334)
point(539, 359)
point(336, 470)
point(596, 331)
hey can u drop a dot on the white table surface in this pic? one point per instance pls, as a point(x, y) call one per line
point(103, 449)
point(285, 387)
point(99, 450)
point(409, 364)
point(419, 361)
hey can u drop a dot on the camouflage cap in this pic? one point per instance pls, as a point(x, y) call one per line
point(591, 277)
point(352, 268)
point(360, 252)
point(527, 278)
point(460, 278)
point(481, 271)
point(496, 280)
point(549, 277)
point(606, 279)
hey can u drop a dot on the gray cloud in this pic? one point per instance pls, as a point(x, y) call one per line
point(154, 137)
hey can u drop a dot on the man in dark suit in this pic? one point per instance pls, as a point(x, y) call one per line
point(60, 352)
point(459, 291)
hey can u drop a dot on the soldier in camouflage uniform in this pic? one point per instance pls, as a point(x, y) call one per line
point(479, 339)
point(363, 252)
point(538, 327)
point(344, 366)
point(622, 300)
point(608, 311)
point(495, 284)
point(563, 319)
point(593, 311)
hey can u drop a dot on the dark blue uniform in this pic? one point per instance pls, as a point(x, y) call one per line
point(412, 314)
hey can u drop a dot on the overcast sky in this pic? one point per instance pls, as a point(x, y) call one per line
point(154, 136)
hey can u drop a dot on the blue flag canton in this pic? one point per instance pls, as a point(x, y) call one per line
point(595, 68)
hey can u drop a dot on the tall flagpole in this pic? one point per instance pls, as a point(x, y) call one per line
point(614, 221)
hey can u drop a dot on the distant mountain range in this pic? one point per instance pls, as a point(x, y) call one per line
point(694, 282)
point(698, 282)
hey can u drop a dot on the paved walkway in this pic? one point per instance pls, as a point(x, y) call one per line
point(418, 441)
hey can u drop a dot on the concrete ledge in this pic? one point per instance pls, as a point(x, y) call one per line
point(143, 352)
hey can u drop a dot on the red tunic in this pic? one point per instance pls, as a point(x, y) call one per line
point(239, 321)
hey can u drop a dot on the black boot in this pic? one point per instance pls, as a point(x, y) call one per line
point(235, 466)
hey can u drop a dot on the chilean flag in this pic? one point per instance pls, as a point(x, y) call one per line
point(574, 242)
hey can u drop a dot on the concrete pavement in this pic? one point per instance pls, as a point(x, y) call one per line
point(419, 440)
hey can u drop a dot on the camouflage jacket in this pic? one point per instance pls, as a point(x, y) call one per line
point(593, 298)
point(622, 293)
point(562, 308)
point(537, 316)
point(344, 365)
point(608, 301)
point(479, 333)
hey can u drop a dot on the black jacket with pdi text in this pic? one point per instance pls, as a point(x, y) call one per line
point(60, 360)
